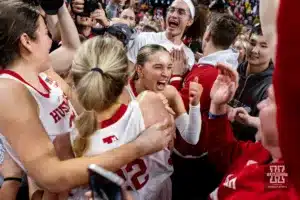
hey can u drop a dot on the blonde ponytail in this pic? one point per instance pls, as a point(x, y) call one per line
point(86, 124)
point(100, 72)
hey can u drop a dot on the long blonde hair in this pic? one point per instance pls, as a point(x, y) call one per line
point(100, 72)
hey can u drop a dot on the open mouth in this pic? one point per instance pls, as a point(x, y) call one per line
point(161, 84)
point(173, 24)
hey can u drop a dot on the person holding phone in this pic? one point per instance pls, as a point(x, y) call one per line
point(38, 109)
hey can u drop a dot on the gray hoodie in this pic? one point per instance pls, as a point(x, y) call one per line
point(228, 56)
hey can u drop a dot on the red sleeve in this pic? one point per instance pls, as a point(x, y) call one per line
point(206, 76)
point(287, 86)
point(224, 149)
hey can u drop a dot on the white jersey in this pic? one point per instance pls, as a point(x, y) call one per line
point(147, 177)
point(55, 111)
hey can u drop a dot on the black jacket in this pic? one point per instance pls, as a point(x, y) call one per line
point(252, 89)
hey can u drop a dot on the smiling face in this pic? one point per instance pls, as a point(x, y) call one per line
point(156, 71)
point(178, 18)
point(258, 52)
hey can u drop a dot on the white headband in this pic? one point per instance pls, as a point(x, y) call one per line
point(191, 7)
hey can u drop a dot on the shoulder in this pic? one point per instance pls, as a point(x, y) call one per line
point(16, 96)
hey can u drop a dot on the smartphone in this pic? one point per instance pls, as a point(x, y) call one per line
point(105, 185)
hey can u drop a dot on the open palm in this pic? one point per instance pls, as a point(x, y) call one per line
point(221, 92)
point(224, 86)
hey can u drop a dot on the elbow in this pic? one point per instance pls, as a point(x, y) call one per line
point(52, 180)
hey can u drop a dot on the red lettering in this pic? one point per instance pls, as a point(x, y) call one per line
point(64, 106)
point(135, 178)
point(72, 117)
point(55, 116)
point(61, 112)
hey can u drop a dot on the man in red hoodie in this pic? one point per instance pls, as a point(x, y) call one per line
point(252, 170)
point(220, 34)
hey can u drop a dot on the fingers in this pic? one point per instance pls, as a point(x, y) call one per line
point(170, 110)
point(196, 79)
point(228, 71)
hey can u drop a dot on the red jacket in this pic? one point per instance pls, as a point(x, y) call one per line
point(206, 74)
point(246, 165)
point(287, 86)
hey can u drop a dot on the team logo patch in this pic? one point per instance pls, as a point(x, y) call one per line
point(276, 177)
point(51, 82)
point(110, 139)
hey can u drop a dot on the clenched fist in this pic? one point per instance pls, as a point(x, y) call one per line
point(195, 92)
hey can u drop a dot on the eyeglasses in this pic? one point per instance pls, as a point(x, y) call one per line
point(181, 12)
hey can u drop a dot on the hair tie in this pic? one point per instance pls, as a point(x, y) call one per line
point(97, 69)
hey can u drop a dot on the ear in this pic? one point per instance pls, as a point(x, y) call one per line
point(190, 22)
point(139, 70)
point(25, 42)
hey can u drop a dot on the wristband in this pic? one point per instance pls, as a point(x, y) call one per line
point(13, 179)
point(212, 116)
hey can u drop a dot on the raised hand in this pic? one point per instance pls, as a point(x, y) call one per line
point(224, 86)
point(100, 17)
point(195, 92)
point(179, 61)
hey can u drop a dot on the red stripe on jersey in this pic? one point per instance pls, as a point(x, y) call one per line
point(119, 113)
point(132, 86)
point(17, 76)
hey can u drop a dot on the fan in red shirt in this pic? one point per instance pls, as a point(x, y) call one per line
point(220, 34)
point(253, 170)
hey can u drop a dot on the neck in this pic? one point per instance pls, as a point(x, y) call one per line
point(210, 49)
point(108, 113)
point(27, 70)
point(174, 39)
point(139, 86)
point(86, 30)
point(254, 69)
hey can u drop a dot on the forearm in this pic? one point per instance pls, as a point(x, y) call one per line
point(9, 190)
point(52, 24)
point(68, 30)
point(254, 122)
point(73, 173)
point(268, 15)
point(189, 126)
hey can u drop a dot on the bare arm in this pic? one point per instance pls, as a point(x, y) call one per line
point(70, 42)
point(37, 153)
point(268, 15)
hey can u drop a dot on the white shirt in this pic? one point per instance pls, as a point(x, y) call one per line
point(160, 38)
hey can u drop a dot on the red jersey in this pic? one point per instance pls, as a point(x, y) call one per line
point(206, 74)
point(247, 165)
